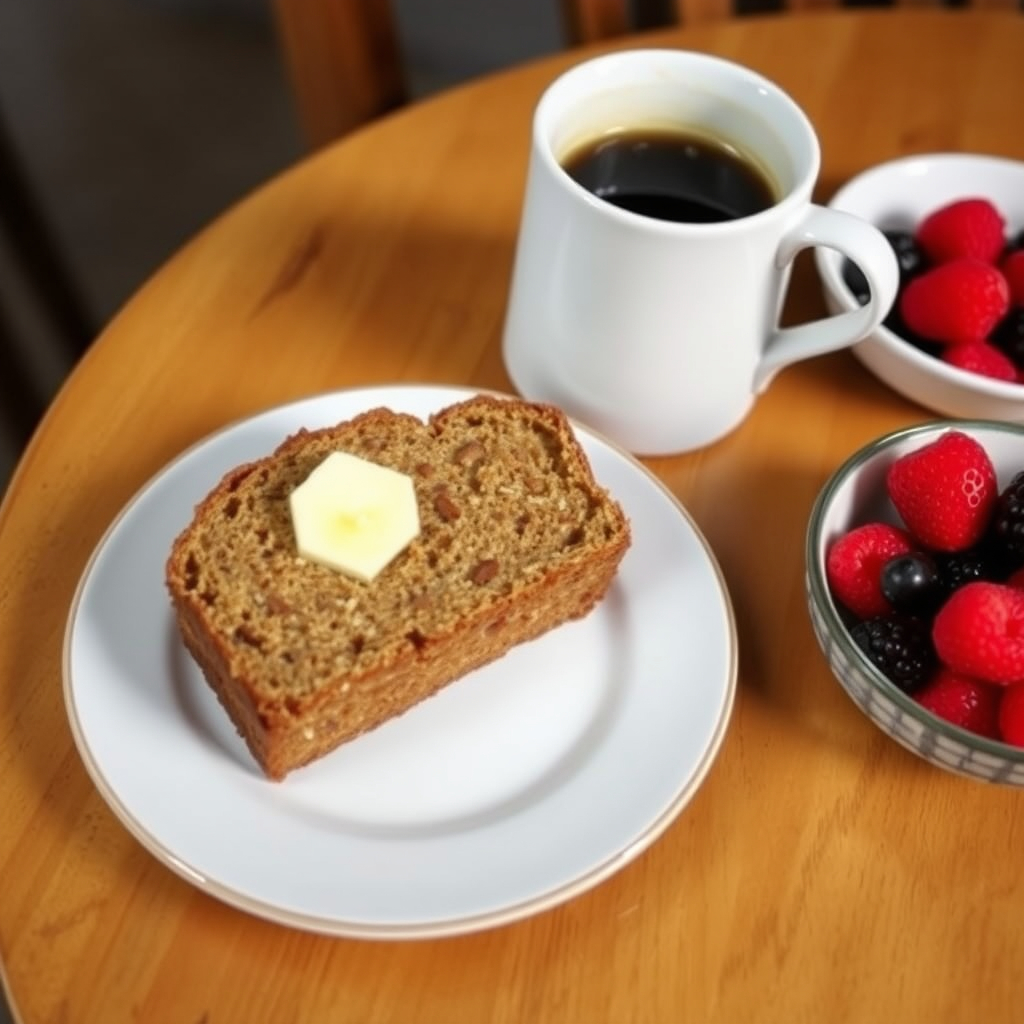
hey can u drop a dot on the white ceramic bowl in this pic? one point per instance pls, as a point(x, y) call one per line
point(855, 494)
point(896, 195)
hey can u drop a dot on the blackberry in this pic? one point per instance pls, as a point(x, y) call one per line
point(909, 256)
point(1007, 529)
point(1008, 336)
point(911, 583)
point(957, 568)
point(900, 647)
point(855, 280)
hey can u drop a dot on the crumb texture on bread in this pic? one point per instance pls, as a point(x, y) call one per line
point(516, 538)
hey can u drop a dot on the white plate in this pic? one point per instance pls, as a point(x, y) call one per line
point(515, 789)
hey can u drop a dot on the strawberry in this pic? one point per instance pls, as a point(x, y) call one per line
point(945, 491)
point(854, 564)
point(966, 702)
point(982, 358)
point(1011, 715)
point(970, 227)
point(1013, 270)
point(979, 632)
point(956, 302)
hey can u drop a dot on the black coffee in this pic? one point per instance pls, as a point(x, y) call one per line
point(672, 176)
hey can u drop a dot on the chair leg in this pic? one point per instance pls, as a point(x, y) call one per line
point(38, 256)
point(21, 403)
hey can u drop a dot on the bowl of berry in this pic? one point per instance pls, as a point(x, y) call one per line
point(954, 338)
point(915, 587)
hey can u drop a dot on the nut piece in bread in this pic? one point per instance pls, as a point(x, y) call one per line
point(516, 538)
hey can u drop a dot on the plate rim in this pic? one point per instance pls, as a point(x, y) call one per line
point(463, 924)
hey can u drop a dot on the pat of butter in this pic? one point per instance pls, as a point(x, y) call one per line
point(353, 515)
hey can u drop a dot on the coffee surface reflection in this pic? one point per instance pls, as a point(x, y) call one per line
point(671, 175)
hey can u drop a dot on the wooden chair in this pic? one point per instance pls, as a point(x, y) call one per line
point(345, 62)
point(48, 286)
point(344, 57)
point(592, 20)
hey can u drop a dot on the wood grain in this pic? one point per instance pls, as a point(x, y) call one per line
point(820, 874)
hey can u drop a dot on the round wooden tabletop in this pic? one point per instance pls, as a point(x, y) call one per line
point(820, 872)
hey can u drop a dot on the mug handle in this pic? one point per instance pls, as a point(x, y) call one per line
point(864, 245)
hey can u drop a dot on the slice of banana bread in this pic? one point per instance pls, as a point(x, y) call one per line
point(516, 538)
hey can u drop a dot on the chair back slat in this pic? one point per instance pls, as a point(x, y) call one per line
point(595, 19)
point(696, 12)
point(345, 59)
point(590, 21)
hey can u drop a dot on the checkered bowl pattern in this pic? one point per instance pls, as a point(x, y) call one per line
point(854, 494)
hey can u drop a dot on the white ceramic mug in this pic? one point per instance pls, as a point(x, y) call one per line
point(656, 333)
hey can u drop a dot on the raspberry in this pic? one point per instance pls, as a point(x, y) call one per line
point(1011, 715)
point(945, 491)
point(955, 303)
point(854, 566)
point(899, 647)
point(1013, 270)
point(966, 702)
point(982, 358)
point(971, 228)
point(979, 632)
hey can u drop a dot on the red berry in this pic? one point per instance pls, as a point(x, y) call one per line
point(1016, 578)
point(945, 491)
point(966, 227)
point(964, 701)
point(854, 564)
point(957, 302)
point(1013, 270)
point(1011, 715)
point(979, 632)
point(982, 358)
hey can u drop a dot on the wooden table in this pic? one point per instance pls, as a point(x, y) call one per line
point(820, 874)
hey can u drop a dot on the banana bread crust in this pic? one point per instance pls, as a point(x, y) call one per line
point(516, 538)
